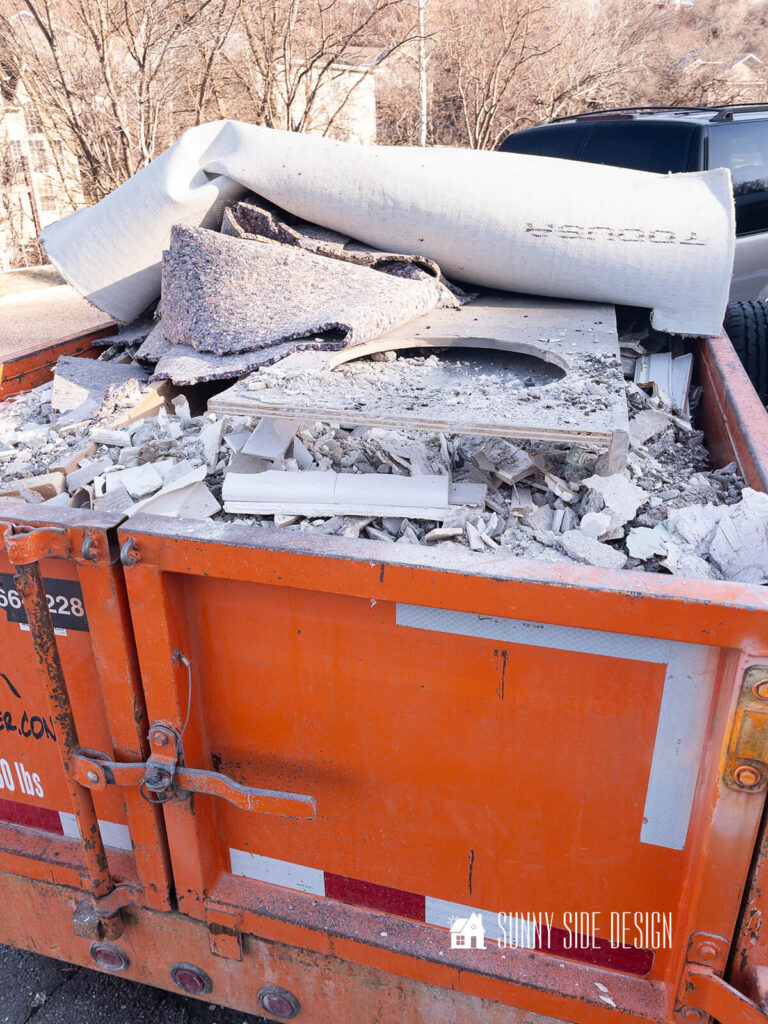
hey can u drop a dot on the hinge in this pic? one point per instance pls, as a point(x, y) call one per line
point(747, 765)
point(703, 993)
point(164, 777)
point(25, 544)
point(100, 918)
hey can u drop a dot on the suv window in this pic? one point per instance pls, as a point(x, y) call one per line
point(563, 140)
point(656, 146)
point(743, 146)
point(643, 145)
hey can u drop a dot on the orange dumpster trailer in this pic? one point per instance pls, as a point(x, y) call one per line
point(338, 781)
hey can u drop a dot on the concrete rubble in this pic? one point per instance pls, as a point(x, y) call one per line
point(667, 512)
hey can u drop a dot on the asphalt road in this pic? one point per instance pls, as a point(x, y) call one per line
point(37, 990)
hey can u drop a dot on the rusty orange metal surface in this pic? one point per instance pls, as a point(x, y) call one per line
point(33, 365)
point(505, 776)
point(330, 988)
point(733, 417)
point(98, 689)
point(351, 744)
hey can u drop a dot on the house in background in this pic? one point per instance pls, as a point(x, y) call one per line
point(39, 177)
point(742, 78)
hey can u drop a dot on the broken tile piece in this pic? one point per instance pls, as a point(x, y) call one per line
point(139, 481)
point(86, 474)
point(237, 438)
point(473, 537)
point(271, 438)
point(466, 493)
point(115, 500)
point(114, 438)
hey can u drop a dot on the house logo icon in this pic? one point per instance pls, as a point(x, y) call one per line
point(467, 932)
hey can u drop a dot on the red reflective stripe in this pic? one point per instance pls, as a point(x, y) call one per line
point(375, 897)
point(32, 817)
point(599, 952)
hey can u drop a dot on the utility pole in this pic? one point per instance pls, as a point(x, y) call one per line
point(422, 74)
point(28, 182)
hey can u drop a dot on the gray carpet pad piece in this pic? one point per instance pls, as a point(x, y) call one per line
point(184, 365)
point(227, 295)
point(256, 219)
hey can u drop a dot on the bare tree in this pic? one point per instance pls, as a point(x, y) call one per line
point(602, 60)
point(298, 64)
point(484, 51)
point(106, 76)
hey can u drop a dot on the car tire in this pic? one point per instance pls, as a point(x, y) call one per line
point(746, 324)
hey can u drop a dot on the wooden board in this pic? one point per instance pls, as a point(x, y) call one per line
point(460, 391)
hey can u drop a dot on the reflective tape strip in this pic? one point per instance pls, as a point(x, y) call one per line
point(118, 837)
point(30, 816)
point(683, 713)
point(467, 925)
point(278, 872)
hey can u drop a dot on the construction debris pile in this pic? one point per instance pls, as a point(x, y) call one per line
point(104, 436)
point(375, 399)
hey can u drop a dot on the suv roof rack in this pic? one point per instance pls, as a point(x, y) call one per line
point(721, 111)
point(652, 109)
point(727, 110)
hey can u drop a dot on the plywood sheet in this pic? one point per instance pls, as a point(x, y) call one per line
point(577, 394)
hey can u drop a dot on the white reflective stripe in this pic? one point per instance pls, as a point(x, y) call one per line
point(680, 736)
point(535, 634)
point(683, 714)
point(277, 872)
point(519, 932)
point(118, 837)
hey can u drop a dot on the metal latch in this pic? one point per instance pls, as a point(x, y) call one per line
point(703, 993)
point(164, 777)
point(747, 765)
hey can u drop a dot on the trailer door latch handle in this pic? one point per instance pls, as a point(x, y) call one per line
point(164, 777)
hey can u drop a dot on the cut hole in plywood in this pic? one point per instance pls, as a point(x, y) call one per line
point(577, 392)
point(441, 370)
point(439, 342)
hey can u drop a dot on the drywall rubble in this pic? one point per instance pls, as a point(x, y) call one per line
point(553, 501)
point(127, 455)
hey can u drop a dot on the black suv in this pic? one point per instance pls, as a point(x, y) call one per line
point(673, 139)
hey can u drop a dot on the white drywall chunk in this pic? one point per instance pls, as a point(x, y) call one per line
point(739, 547)
point(622, 498)
point(591, 551)
point(595, 524)
point(644, 542)
point(648, 424)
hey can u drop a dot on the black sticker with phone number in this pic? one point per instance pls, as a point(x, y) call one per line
point(65, 603)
